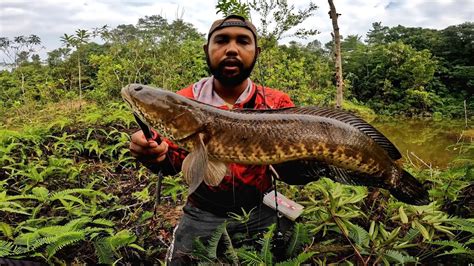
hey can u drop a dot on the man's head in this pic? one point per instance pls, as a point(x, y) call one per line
point(231, 49)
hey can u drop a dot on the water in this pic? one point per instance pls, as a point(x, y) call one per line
point(433, 142)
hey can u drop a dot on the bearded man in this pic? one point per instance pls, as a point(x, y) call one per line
point(231, 52)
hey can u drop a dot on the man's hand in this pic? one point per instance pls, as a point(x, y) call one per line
point(147, 150)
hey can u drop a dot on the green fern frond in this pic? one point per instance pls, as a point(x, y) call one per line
point(398, 257)
point(62, 193)
point(266, 242)
point(298, 239)
point(58, 124)
point(230, 251)
point(23, 197)
point(470, 241)
point(53, 230)
point(412, 233)
point(6, 230)
point(448, 243)
point(214, 241)
point(457, 251)
point(104, 251)
point(250, 257)
point(6, 248)
point(78, 223)
point(299, 260)
point(200, 251)
point(8, 209)
point(359, 235)
point(464, 224)
point(103, 222)
point(121, 239)
point(107, 246)
point(39, 242)
point(63, 240)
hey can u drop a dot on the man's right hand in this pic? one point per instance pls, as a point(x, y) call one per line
point(147, 150)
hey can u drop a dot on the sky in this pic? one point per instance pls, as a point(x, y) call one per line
point(50, 19)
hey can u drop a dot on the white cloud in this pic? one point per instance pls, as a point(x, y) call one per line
point(50, 19)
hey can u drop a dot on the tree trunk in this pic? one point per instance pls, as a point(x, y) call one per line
point(22, 83)
point(337, 54)
point(79, 67)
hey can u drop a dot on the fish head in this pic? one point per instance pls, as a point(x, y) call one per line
point(172, 115)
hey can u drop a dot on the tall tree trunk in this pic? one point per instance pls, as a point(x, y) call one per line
point(80, 88)
point(337, 54)
point(22, 83)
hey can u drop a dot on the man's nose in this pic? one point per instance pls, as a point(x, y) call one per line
point(232, 48)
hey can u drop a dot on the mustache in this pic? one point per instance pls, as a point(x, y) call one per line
point(231, 61)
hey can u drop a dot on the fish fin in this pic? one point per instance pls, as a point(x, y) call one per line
point(342, 176)
point(410, 190)
point(356, 122)
point(354, 178)
point(216, 171)
point(194, 166)
point(339, 115)
point(300, 172)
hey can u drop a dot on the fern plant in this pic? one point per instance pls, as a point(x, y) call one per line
point(209, 253)
point(107, 247)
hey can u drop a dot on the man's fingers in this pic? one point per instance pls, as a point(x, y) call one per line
point(151, 152)
point(138, 138)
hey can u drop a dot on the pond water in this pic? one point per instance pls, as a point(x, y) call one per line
point(428, 141)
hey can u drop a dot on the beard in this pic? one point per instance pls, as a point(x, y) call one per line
point(219, 71)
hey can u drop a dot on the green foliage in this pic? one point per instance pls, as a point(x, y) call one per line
point(107, 247)
point(279, 20)
point(209, 252)
point(235, 7)
point(70, 188)
point(299, 238)
point(393, 77)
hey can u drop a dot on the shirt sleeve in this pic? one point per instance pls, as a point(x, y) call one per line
point(285, 101)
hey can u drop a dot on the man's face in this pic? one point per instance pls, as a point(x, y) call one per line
point(231, 54)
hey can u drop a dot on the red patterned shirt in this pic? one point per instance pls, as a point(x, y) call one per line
point(245, 186)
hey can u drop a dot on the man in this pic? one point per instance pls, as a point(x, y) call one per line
point(231, 52)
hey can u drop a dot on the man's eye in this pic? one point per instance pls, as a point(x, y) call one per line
point(244, 41)
point(220, 40)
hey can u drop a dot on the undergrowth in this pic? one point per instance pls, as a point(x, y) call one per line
point(71, 192)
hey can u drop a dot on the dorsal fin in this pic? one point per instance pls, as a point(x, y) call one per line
point(339, 115)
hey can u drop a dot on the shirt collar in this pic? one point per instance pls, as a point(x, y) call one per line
point(203, 92)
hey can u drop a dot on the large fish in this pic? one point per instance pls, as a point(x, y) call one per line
point(309, 140)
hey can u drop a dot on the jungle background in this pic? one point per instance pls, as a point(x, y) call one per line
point(70, 192)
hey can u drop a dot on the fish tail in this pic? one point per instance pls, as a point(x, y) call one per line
point(410, 190)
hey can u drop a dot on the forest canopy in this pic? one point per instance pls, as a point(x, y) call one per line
point(392, 70)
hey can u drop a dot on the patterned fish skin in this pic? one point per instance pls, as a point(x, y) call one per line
point(263, 138)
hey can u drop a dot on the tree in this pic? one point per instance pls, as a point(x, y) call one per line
point(393, 78)
point(377, 35)
point(228, 7)
point(17, 51)
point(77, 41)
point(333, 15)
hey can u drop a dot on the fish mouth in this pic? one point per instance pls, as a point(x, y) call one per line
point(125, 92)
point(126, 96)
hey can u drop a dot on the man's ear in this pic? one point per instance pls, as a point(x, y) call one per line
point(258, 50)
point(204, 47)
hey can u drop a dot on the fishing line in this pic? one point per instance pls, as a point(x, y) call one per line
point(273, 173)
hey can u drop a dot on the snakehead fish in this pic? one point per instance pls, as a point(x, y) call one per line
point(313, 140)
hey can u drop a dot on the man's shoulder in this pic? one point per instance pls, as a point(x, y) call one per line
point(275, 98)
point(187, 92)
point(272, 91)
